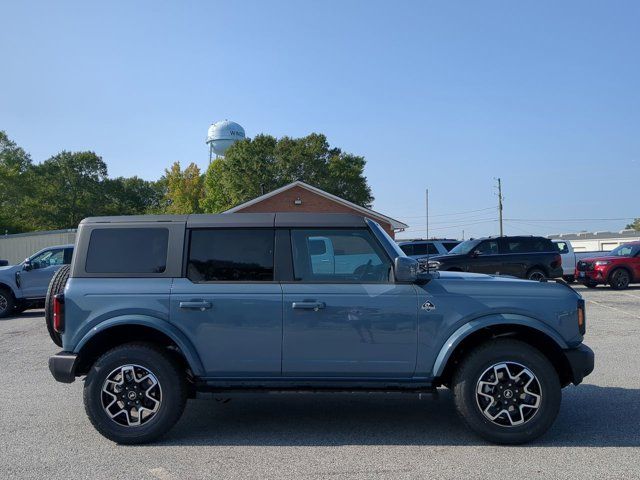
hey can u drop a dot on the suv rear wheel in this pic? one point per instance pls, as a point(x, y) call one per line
point(536, 274)
point(134, 393)
point(507, 391)
point(7, 303)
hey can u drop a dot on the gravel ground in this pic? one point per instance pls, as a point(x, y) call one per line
point(44, 432)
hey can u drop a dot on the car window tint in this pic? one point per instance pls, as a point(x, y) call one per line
point(407, 249)
point(347, 256)
point(127, 250)
point(449, 245)
point(68, 255)
point(562, 247)
point(231, 255)
point(488, 247)
point(424, 249)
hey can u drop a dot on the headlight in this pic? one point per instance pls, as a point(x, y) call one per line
point(434, 264)
point(600, 263)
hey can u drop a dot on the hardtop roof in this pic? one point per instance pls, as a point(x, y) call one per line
point(233, 220)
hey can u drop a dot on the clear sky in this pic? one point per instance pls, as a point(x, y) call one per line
point(441, 95)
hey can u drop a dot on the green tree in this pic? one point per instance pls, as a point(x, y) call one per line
point(255, 166)
point(184, 189)
point(635, 225)
point(15, 165)
point(132, 196)
point(67, 188)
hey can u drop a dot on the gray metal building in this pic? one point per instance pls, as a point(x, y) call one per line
point(15, 248)
point(598, 241)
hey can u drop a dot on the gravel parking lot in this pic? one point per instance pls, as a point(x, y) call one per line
point(44, 432)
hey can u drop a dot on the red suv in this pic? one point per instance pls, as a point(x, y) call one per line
point(619, 268)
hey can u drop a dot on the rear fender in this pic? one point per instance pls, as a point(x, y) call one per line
point(189, 352)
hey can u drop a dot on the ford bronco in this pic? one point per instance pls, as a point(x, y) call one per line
point(158, 309)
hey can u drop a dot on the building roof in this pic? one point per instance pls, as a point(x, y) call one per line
point(395, 224)
point(596, 235)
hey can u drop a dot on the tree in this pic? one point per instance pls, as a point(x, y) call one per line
point(67, 188)
point(252, 167)
point(15, 163)
point(635, 225)
point(185, 189)
point(132, 196)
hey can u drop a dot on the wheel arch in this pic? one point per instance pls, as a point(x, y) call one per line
point(9, 288)
point(528, 330)
point(141, 329)
point(619, 267)
point(537, 267)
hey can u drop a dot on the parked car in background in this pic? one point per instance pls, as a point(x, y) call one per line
point(420, 248)
point(4, 263)
point(532, 258)
point(618, 268)
point(155, 309)
point(25, 285)
point(570, 258)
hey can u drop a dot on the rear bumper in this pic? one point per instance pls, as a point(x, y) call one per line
point(581, 362)
point(63, 366)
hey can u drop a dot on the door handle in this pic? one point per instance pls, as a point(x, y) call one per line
point(308, 305)
point(196, 305)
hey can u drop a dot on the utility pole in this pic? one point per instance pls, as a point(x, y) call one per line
point(500, 205)
point(427, 211)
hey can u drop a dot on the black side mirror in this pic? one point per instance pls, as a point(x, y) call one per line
point(475, 253)
point(405, 269)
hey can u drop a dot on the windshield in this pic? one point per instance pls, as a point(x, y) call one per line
point(386, 240)
point(625, 251)
point(464, 248)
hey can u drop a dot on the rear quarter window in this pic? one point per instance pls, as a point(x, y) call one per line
point(127, 250)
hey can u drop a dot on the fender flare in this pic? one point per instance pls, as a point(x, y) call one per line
point(162, 326)
point(477, 324)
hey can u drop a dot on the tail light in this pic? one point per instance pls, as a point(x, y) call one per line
point(557, 261)
point(58, 313)
point(582, 321)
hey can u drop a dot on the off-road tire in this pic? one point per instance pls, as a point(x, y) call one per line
point(170, 377)
point(56, 286)
point(619, 279)
point(472, 367)
point(7, 303)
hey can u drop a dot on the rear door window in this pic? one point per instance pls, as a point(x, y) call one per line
point(232, 255)
point(127, 250)
point(424, 249)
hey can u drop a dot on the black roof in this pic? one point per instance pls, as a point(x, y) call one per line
point(284, 219)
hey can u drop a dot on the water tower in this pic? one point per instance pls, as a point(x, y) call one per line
point(222, 135)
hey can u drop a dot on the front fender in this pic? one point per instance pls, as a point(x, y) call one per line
point(483, 322)
point(190, 353)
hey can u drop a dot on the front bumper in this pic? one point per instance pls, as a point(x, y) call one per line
point(63, 366)
point(591, 276)
point(581, 362)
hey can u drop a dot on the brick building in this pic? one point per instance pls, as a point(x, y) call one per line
point(301, 197)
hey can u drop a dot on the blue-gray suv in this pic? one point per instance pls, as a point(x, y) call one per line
point(158, 309)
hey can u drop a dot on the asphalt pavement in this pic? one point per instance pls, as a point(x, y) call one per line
point(44, 432)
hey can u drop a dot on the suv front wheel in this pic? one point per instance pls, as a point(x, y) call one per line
point(507, 391)
point(134, 393)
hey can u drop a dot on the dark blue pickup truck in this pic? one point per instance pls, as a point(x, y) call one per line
point(157, 309)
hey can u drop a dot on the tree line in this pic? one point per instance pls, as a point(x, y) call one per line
point(69, 186)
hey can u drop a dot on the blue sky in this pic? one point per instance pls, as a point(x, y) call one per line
point(438, 95)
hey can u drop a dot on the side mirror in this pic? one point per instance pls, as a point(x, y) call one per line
point(405, 269)
point(475, 253)
point(26, 265)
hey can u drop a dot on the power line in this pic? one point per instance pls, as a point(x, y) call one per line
point(568, 219)
point(447, 214)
